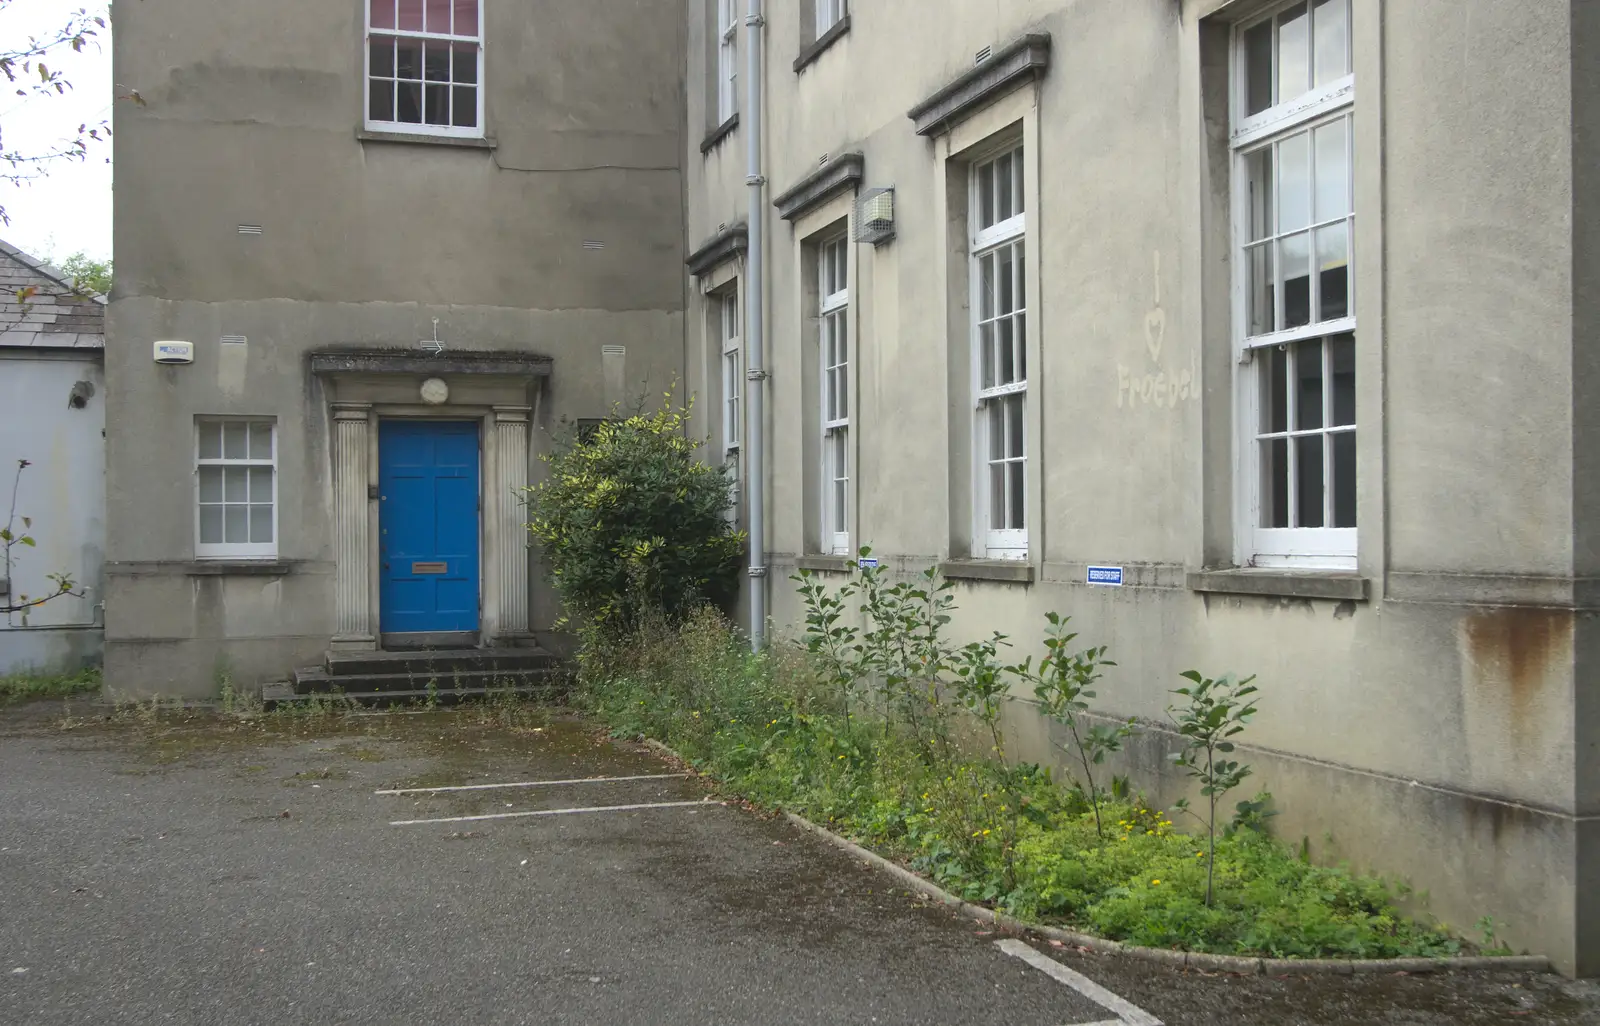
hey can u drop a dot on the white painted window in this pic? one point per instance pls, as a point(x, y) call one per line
point(236, 489)
point(1294, 226)
point(999, 346)
point(732, 371)
point(727, 59)
point(829, 13)
point(833, 291)
point(425, 67)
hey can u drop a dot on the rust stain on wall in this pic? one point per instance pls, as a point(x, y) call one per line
point(1520, 653)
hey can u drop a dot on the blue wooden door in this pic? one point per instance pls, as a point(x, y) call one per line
point(428, 525)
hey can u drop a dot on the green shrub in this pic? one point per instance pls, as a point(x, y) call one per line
point(633, 525)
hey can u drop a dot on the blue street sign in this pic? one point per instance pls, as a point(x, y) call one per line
point(1107, 575)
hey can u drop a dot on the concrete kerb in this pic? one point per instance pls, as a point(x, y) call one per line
point(1237, 964)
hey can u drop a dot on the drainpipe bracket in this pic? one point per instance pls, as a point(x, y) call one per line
point(755, 20)
point(757, 375)
point(757, 571)
point(755, 179)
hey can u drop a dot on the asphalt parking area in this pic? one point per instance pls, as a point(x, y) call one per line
point(212, 872)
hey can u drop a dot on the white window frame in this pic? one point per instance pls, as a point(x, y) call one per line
point(235, 550)
point(998, 542)
point(476, 131)
point(727, 59)
point(833, 413)
point(732, 371)
point(1321, 548)
point(829, 14)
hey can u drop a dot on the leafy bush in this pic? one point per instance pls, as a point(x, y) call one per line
point(633, 525)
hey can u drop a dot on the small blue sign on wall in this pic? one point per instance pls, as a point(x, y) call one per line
point(868, 562)
point(1110, 576)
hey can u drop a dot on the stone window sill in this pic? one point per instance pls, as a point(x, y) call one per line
point(238, 568)
point(1281, 584)
point(719, 133)
point(1011, 571)
point(826, 564)
point(419, 139)
point(814, 50)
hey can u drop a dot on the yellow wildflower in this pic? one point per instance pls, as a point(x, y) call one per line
point(1155, 883)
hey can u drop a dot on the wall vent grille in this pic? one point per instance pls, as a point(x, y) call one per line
point(983, 55)
point(234, 340)
point(250, 229)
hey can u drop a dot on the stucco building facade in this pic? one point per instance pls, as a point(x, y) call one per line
point(1282, 315)
point(404, 242)
point(1248, 334)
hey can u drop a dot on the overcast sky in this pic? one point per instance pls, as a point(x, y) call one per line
point(70, 210)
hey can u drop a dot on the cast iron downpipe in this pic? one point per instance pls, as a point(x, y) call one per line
point(754, 306)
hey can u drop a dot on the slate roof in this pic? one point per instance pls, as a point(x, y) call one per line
point(54, 317)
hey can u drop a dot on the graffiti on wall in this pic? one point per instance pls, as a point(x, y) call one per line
point(1160, 384)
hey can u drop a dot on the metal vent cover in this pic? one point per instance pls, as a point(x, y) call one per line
point(234, 340)
point(983, 55)
point(250, 229)
point(874, 220)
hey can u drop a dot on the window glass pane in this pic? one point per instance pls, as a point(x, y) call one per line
point(382, 61)
point(1258, 172)
point(438, 105)
point(1021, 342)
point(1275, 482)
point(466, 17)
point(380, 101)
point(1003, 192)
point(1333, 170)
point(261, 441)
point(1294, 53)
point(986, 196)
point(1258, 68)
point(436, 62)
point(1331, 22)
point(1344, 479)
point(408, 103)
point(236, 525)
point(995, 412)
point(1014, 426)
point(986, 360)
point(210, 484)
point(1274, 389)
point(1308, 385)
point(1005, 291)
point(439, 16)
point(1294, 257)
point(1308, 481)
point(465, 112)
point(1333, 272)
point(382, 13)
point(1295, 263)
point(464, 66)
point(997, 496)
point(211, 525)
point(408, 59)
point(260, 524)
point(1021, 276)
point(986, 284)
point(1294, 182)
point(1342, 356)
point(844, 368)
point(260, 484)
point(234, 445)
point(1005, 349)
point(235, 484)
point(1014, 473)
point(210, 441)
point(411, 15)
point(1259, 260)
point(1016, 186)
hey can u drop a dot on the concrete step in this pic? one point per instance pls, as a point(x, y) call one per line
point(283, 696)
point(316, 680)
point(439, 662)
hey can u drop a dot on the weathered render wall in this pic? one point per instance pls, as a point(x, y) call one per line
point(250, 116)
point(52, 414)
point(1445, 727)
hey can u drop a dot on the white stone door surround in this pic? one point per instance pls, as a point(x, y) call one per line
point(501, 392)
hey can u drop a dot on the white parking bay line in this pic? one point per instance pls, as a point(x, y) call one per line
point(554, 812)
point(1125, 1011)
point(531, 783)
